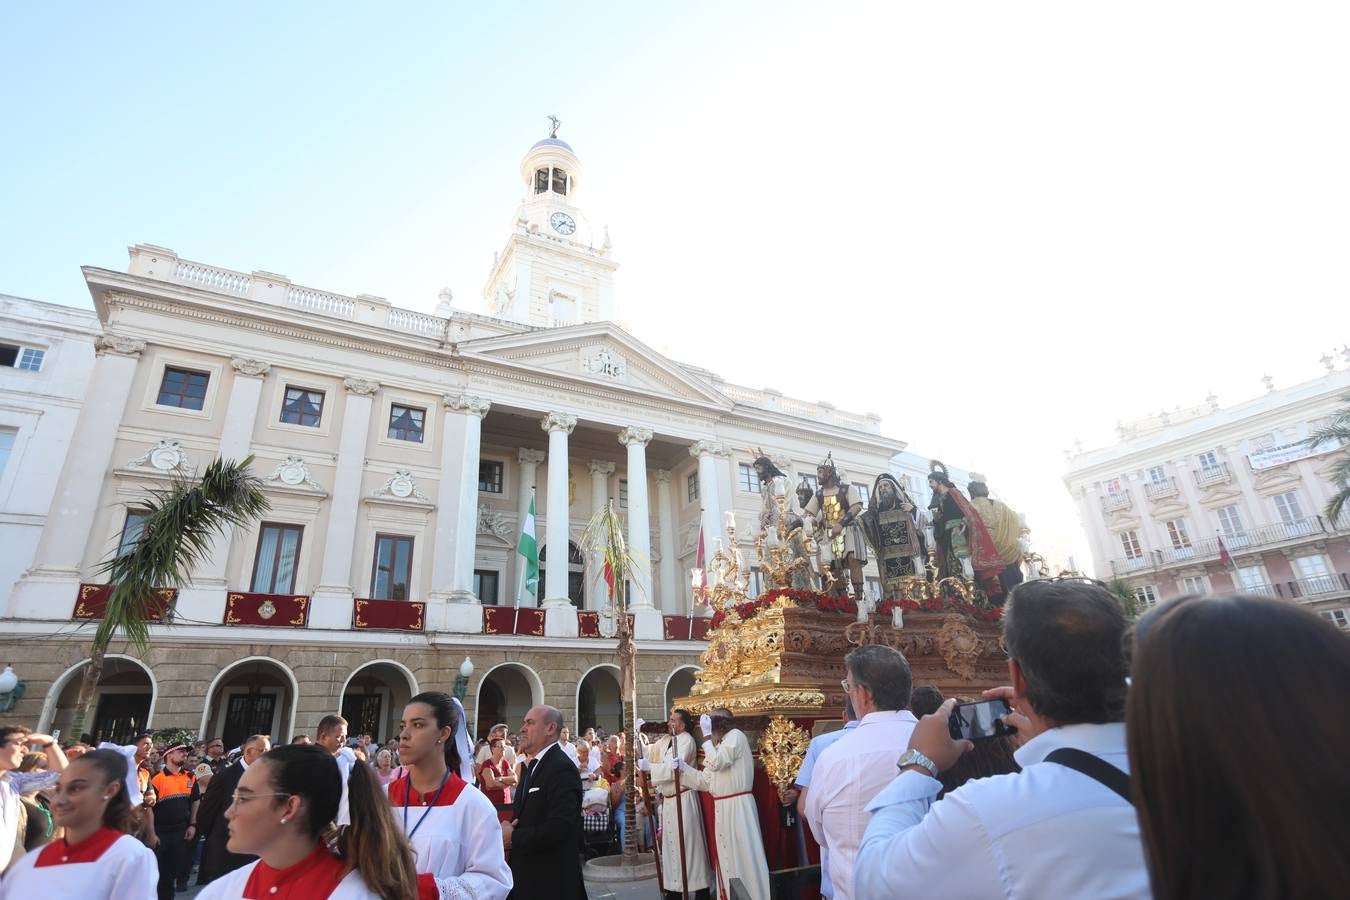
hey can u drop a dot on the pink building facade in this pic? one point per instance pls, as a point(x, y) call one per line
point(1182, 490)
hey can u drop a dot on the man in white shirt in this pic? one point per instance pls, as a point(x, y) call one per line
point(819, 744)
point(853, 771)
point(14, 743)
point(1051, 830)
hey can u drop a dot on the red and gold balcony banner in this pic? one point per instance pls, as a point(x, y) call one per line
point(92, 600)
point(588, 624)
point(394, 615)
point(282, 610)
point(509, 620)
point(685, 628)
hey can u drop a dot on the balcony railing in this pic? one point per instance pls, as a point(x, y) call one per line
point(1256, 538)
point(1208, 475)
point(1160, 490)
point(1319, 586)
point(1113, 502)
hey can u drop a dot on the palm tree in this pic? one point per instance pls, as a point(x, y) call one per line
point(1337, 433)
point(1124, 594)
point(176, 535)
point(604, 534)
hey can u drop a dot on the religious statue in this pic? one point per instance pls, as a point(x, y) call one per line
point(772, 484)
point(835, 510)
point(554, 121)
point(964, 546)
point(1005, 527)
point(892, 528)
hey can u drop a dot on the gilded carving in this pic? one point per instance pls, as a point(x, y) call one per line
point(960, 646)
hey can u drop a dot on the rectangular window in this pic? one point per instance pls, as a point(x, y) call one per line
point(810, 481)
point(490, 476)
point(1339, 617)
point(31, 359)
point(1209, 461)
point(278, 554)
point(1157, 475)
point(861, 493)
point(1176, 531)
point(7, 436)
point(756, 582)
point(746, 477)
point(9, 354)
point(623, 493)
point(691, 487)
point(1145, 597)
point(405, 423)
point(1288, 508)
point(1230, 523)
point(302, 407)
point(183, 388)
point(1194, 584)
point(131, 531)
point(392, 573)
point(1312, 567)
point(1129, 542)
point(1112, 487)
point(1251, 578)
point(485, 586)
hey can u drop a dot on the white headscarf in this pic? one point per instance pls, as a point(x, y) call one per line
point(461, 739)
point(132, 782)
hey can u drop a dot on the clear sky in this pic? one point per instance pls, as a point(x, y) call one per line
point(1000, 226)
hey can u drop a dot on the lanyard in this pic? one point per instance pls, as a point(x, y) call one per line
point(434, 798)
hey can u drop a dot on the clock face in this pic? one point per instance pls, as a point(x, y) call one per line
point(562, 223)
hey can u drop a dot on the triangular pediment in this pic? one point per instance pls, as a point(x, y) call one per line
point(600, 353)
point(1275, 481)
point(1220, 495)
point(1169, 509)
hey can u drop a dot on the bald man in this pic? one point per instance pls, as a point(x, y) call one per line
point(217, 860)
point(544, 836)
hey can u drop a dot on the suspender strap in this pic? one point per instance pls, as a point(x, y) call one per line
point(1094, 767)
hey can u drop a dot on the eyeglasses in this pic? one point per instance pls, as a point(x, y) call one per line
point(238, 799)
point(844, 684)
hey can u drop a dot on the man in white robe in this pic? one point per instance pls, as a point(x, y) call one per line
point(680, 813)
point(729, 775)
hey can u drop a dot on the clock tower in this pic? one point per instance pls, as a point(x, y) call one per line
point(553, 270)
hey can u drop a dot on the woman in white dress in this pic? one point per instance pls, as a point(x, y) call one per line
point(452, 825)
point(283, 811)
point(96, 859)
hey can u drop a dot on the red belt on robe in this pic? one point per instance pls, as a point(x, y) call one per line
point(729, 796)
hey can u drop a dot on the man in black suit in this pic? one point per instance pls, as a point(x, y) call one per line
point(544, 838)
point(217, 860)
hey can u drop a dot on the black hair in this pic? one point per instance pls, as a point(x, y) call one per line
point(1068, 638)
point(924, 700)
point(443, 707)
point(882, 670)
point(687, 720)
point(113, 766)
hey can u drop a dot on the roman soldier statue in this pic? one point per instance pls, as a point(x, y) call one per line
point(835, 511)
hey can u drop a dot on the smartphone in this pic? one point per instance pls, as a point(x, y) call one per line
point(979, 720)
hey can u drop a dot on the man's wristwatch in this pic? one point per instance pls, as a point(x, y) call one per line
point(915, 758)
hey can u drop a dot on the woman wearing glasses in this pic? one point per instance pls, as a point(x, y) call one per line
point(96, 859)
point(283, 810)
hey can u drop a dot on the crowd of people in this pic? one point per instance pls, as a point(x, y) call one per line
point(1195, 753)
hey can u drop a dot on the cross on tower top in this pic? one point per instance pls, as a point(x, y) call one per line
point(554, 122)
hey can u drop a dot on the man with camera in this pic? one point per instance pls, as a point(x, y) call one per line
point(1063, 826)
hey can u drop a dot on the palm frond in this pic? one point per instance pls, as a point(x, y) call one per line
point(1336, 432)
point(176, 536)
point(604, 533)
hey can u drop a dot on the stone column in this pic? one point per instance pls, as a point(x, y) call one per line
point(453, 605)
point(600, 472)
point(709, 495)
point(331, 605)
point(529, 475)
point(667, 573)
point(204, 599)
point(647, 619)
point(561, 620)
point(47, 590)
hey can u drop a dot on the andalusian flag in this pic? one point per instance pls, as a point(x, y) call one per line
point(529, 548)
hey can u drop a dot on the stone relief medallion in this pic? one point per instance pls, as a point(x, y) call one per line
point(266, 610)
point(165, 456)
point(606, 363)
point(960, 646)
point(401, 485)
point(294, 472)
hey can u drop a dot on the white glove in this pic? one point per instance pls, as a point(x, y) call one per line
point(643, 765)
point(680, 764)
point(708, 748)
point(705, 723)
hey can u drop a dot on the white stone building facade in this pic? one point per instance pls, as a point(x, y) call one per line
point(1161, 505)
point(400, 453)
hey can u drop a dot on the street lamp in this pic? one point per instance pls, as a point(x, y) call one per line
point(462, 679)
point(11, 689)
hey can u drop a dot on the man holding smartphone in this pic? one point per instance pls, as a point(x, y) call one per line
point(1064, 825)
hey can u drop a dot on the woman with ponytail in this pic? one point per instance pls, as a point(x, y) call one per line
point(451, 824)
point(283, 810)
point(96, 859)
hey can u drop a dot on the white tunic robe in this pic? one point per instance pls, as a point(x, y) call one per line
point(729, 775)
point(697, 868)
point(230, 886)
point(107, 865)
point(459, 842)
